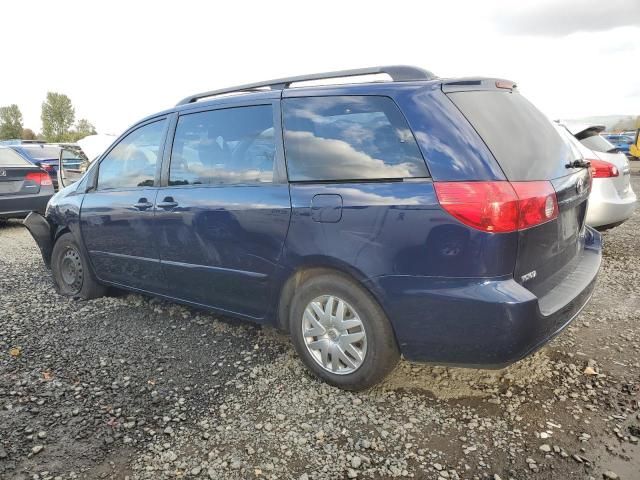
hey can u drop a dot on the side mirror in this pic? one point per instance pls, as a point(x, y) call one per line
point(72, 164)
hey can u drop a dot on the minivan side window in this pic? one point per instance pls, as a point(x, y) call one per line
point(349, 138)
point(228, 146)
point(132, 162)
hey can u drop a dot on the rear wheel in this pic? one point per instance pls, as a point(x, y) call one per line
point(72, 273)
point(341, 333)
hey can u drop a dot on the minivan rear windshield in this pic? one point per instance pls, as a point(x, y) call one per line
point(523, 140)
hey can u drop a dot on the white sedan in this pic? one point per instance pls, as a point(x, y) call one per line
point(612, 200)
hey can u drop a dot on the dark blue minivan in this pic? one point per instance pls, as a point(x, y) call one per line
point(438, 219)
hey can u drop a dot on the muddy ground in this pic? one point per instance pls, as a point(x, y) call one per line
point(127, 386)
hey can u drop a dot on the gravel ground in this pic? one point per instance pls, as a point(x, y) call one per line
point(131, 387)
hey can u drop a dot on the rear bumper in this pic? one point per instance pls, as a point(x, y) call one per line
point(606, 206)
point(19, 206)
point(488, 323)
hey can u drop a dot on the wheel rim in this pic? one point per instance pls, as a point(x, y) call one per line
point(71, 270)
point(334, 335)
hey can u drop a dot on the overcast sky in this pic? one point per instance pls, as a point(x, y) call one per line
point(119, 61)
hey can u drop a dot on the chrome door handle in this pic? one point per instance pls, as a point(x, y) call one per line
point(167, 205)
point(142, 205)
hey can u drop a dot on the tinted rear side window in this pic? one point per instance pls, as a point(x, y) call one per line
point(349, 138)
point(523, 141)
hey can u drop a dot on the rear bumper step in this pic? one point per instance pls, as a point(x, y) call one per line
point(583, 270)
point(480, 322)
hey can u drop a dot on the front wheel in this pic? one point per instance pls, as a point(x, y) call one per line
point(341, 333)
point(71, 270)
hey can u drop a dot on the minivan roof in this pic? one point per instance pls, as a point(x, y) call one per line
point(398, 73)
point(404, 75)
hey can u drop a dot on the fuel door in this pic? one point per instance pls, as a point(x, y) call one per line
point(326, 208)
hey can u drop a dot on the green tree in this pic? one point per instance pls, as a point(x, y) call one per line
point(28, 134)
point(10, 122)
point(57, 117)
point(628, 123)
point(82, 128)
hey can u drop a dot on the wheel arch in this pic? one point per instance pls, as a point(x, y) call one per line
point(60, 230)
point(304, 271)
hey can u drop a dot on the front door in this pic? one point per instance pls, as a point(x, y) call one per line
point(223, 218)
point(116, 217)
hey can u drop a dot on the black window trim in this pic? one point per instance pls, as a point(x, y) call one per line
point(279, 173)
point(92, 181)
point(364, 180)
point(427, 178)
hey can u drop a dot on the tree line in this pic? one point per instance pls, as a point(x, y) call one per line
point(58, 122)
point(629, 123)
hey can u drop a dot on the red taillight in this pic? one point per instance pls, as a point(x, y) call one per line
point(601, 169)
point(41, 178)
point(499, 207)
point(537, 201)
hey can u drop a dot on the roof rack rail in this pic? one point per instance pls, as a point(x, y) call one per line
point(398, 73)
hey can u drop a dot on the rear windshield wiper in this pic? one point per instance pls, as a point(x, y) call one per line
point(578, 164)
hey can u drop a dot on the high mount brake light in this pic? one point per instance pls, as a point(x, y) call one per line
point(41, 178)
point(505, 84)
point(499, 207)
point(602, 169)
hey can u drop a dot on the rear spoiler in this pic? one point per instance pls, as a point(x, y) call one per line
point(477, 83)
point(584, 130)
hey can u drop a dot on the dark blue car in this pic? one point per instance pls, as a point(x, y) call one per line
point(438, 219)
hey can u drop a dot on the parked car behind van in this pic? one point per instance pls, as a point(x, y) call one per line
point(443, 220)
point(42, 155)
point(612, 200)
point(23, 187)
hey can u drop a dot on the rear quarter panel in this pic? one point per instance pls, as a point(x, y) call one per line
point(393, 228)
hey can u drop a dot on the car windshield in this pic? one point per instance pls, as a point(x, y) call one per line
point(41, 152)
point(598, 143)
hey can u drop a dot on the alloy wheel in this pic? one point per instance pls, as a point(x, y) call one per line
point(334, 334)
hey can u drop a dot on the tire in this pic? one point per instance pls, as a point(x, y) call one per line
point(71, 270)
point(373, 355)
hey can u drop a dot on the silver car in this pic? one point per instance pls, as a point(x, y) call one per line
point(612, 200)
